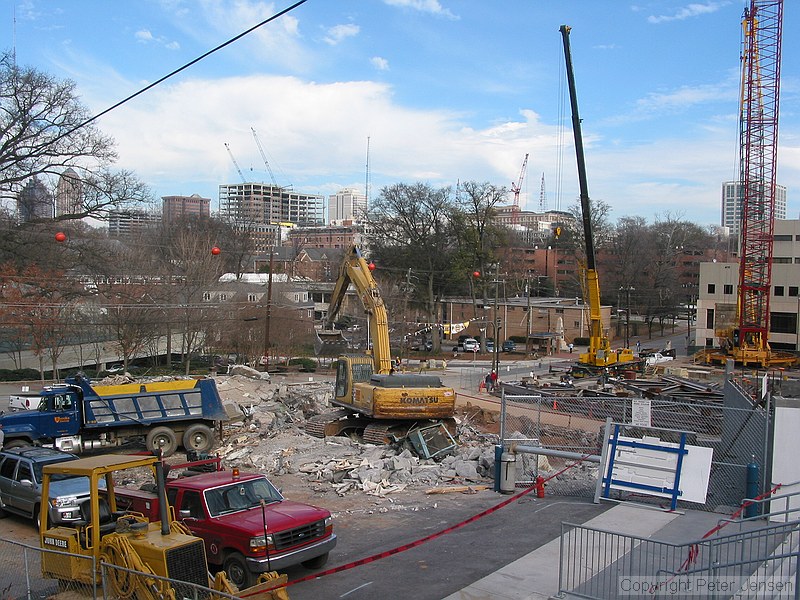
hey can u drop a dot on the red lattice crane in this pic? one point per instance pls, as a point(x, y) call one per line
point(758, 145)
point(516, 188)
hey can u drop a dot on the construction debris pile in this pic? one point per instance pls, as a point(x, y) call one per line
point(269, 437)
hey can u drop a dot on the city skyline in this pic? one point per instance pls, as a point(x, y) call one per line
point(440, 91)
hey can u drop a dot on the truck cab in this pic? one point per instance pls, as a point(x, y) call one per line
point(247, 526)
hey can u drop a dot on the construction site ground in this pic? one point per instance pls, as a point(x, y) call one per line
point(374, 515)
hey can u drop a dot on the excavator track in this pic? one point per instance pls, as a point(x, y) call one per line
point(326, 424)
point(379, 433)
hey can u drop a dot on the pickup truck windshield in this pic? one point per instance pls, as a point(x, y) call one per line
point(239, 496)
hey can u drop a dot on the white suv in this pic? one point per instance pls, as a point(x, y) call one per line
point(471, 345)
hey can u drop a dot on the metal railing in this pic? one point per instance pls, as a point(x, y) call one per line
point(21, 577)
point(761, 562)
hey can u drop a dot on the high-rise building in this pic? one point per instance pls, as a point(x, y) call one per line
point(69, 193)
point(181, 207)
point(347, 205)
point(264, 210)
point(732, 205)
point(34, 201)
point(126, 223)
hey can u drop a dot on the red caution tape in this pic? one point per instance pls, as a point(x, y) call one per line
point(420, 541)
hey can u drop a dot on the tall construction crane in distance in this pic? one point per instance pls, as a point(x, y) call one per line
point(747, 343)
point(516, 188)
point(542, 197)
point(264, 157)
point(235, 164)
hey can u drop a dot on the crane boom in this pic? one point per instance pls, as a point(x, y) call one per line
point(599, 353)
point(264, 157)
point(516, 188)
point(235, 164)
point(758, 143)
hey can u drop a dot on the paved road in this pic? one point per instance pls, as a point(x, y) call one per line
point(445, 564)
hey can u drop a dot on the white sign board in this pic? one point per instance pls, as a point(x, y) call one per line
point(644, 464)
point(640, 412)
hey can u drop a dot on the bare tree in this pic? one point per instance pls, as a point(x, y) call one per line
point(42, 128)
point(412, 229)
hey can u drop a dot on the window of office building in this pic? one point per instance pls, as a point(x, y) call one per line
point(783, 323)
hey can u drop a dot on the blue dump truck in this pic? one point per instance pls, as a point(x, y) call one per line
point(76, 416)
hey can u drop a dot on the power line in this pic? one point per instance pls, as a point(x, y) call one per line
point(186, 66)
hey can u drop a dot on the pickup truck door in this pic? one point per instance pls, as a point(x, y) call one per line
point(65, 414)
point(191, 512)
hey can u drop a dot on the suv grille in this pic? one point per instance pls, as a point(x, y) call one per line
point(300, 535)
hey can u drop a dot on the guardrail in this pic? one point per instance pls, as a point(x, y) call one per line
point(761, 562)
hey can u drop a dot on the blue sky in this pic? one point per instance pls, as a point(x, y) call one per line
point(445, 90)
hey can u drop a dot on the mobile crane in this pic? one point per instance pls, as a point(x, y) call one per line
point(599, 355)
point(373, 400)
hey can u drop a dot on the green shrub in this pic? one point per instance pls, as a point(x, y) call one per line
point(305, 363)
point(19, 374)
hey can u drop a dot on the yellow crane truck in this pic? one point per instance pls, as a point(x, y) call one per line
point(599, 356)
point(148, 560)
point(372, 399)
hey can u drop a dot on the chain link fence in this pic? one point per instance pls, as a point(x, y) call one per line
point(21, 572)
point(737, 430)
point(68, 575)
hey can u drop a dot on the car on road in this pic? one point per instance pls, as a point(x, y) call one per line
point(471, 345)
point(509, 346)
point(21, 485)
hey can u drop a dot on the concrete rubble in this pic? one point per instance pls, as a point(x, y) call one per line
point(269, 437)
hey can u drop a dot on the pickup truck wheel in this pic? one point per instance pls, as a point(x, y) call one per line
point(162, 438)
point(316, 563)
point(37, 517)
point(236, 569)
point(199, 438)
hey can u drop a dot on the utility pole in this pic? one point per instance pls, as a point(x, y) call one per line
point(269, 309)
point(496, 358)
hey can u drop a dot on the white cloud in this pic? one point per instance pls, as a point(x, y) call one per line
point(687, 12)
point(143, 35)
point(379, 63)
point(337, 33)
point(278, 43)
point(430, 6)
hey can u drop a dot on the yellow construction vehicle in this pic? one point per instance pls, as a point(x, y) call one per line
point(148, 560)
point(599, 356)
point(374, 401)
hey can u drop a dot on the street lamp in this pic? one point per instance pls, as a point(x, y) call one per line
point(627, 290)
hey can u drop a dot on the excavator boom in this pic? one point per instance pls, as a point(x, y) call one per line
point(355, 270)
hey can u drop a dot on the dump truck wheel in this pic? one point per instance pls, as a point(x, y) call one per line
point(16, 444)
point(236, 569)
point(163, 439)
point(199, 438)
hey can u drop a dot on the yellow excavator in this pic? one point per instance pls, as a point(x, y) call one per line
point(599, 357)
point(372, 400)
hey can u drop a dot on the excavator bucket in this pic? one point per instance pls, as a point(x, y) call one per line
point(330, 343)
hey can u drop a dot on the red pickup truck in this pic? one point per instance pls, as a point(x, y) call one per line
point(247, 525)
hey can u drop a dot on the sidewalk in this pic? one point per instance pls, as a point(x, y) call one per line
point(535, 575)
